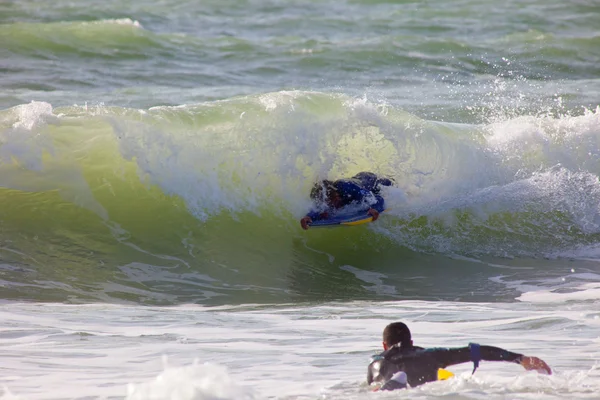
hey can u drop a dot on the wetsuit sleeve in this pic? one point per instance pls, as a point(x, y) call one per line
point(384, 181)
point(315, 215)
point(371, 182)
point(491, 353)
point(445, 357)
point(380, 205)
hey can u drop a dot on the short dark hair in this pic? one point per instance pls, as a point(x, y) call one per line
point(397, 332)
point(322, 190)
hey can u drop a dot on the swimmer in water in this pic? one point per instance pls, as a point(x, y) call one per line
point(402, 364)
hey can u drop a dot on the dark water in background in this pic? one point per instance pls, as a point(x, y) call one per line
point(455, 61)
point(161, 152)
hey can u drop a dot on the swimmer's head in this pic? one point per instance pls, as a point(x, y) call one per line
point(397, 333)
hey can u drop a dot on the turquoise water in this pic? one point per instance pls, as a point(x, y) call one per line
point(159, 154)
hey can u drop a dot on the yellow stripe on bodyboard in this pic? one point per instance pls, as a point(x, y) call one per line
point(444, 374)
point(359, 222)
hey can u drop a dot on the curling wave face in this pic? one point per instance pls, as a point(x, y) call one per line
point(201, 202)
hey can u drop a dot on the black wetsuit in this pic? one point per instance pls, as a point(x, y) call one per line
point(421, 365)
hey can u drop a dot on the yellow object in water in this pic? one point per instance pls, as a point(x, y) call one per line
point(359, 221)
point(444, 374)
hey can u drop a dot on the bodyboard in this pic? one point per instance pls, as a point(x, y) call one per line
point(345, 219)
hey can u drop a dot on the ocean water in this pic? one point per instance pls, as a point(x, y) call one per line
point(156, 156)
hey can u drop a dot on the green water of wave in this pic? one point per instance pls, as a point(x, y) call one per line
point(60, 252)
point(121, 39)
point(201, 203)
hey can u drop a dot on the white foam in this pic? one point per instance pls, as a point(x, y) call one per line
point(529, 142)
point(119, 21)
point(7, 395)
point(585, 292)
point(194, 382)
point(284, 351)
point(32, 115)
point(241, 164)
point(375, 278)
point(273, 100)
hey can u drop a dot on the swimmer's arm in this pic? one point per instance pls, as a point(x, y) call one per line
point(380, 205)
point(373, 209)
point(458, 355)
point(313, 216)
point(453, 356)
point(316, 215)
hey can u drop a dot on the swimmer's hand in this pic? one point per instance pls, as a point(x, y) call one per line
point(304, 222)
point(373, 213)
point(535, 364)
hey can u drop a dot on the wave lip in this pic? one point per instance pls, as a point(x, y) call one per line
point(122, 37)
